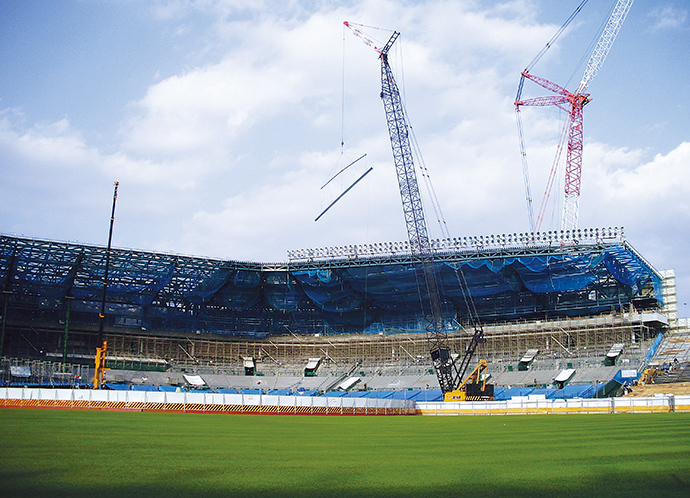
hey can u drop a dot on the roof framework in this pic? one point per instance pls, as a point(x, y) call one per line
point(367, 288)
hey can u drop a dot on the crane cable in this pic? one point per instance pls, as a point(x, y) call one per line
point(472, 314)
point(535, 225)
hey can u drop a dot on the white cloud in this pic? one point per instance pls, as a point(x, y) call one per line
point(667, 17)
point(226, 158)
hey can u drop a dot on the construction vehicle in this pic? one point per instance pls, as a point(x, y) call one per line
point(449, 372)
point(474, 387)
point(99, 359)
point(573, 104)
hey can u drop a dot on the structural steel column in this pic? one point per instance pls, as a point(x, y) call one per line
point(4, 321)
point(68, 300)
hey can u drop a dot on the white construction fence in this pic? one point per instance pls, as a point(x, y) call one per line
point(529, 405)
point(15, 397)
point(200, 402)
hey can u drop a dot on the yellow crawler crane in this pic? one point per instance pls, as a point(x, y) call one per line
point(474, 387)
point(99, 369)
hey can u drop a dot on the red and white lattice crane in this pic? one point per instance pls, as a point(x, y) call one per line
point(572, 103)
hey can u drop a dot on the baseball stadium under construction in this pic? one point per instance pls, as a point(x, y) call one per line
point(566, 295)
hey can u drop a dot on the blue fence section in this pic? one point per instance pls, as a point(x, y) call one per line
point(500, 394)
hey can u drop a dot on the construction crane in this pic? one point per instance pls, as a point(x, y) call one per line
point(99, 360)
point(573, 104)
point(449, 372)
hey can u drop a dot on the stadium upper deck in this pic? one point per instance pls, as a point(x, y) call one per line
point(364, 288)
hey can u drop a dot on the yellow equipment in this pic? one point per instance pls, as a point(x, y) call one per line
point(474, 387)
point(100, 366)
point(647, 377)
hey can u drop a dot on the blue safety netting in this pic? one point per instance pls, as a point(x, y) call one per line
point(241, 291)
point(429, 395)
point(160, 291)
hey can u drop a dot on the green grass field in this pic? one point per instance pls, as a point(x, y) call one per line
point(106, 453)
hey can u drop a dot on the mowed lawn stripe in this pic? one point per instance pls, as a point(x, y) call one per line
point(80, 452)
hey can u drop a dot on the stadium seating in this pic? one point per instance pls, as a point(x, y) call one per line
point(407, 394)
point(513, 391)
point(429, 395)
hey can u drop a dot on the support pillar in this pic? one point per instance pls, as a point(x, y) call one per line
point(68, 300)
point(5, 306)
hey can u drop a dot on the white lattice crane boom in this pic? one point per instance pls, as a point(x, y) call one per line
point(620, 11)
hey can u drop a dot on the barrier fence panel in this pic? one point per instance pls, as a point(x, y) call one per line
point(521, 406)
point(307, 405)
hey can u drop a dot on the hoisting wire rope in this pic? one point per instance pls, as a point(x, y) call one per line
point(421, 164)
point(535, 225)
point(587, 54)
point(342, 147)
point(552, 175)
point(473, 315)
point(342, 102)
point(556, 36)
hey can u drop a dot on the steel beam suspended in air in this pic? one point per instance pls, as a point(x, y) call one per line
point(336, 175)
point(345, 192)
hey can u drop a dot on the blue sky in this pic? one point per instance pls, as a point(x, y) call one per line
point(222, 120)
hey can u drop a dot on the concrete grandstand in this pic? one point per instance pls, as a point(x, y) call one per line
point(345, 321)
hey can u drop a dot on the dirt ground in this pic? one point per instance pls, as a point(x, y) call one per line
point(652, 389)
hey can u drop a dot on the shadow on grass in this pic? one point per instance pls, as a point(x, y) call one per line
point(34, 485)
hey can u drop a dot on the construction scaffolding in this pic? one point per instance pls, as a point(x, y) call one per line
point(586, 337)
point(356, 303)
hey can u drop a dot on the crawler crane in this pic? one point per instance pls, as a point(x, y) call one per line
point(450, 373)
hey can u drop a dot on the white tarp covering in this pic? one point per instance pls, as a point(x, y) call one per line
point(615, 350)
point(20, 371)
point(565, 375)
point(628, 373)
point(348, 383)
point(194, 380)
point(313, 363)
point(529, 355)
